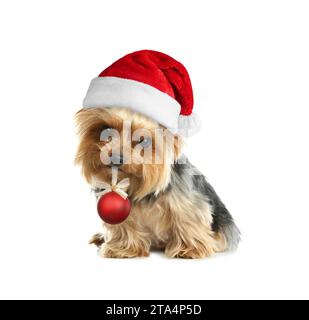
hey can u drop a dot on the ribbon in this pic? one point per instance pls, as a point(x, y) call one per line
point(120, 187)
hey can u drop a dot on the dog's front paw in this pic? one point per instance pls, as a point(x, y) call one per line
point(185, 251)
point(113, 252)
point(97, 239)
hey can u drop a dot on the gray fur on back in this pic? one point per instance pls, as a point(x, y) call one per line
point(222, 220)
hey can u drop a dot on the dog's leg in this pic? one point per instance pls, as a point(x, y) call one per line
point(191, 235)
point(97, 239)
point(191, 242)
point(125, 240)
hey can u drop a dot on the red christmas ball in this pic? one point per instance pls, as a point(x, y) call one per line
point(112, 208)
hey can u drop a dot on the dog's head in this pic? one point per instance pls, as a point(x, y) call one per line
point(142, 149)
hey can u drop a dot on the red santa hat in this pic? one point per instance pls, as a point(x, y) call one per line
point(151, 83)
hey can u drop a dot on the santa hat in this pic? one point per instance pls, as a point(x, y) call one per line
point(151, 83)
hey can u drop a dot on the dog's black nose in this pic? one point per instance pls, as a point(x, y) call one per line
point(116, 160)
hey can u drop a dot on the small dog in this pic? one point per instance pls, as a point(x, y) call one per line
point(173, 209)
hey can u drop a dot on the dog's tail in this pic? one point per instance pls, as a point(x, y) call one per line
point(231, 234)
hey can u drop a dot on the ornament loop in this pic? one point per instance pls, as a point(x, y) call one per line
point(120, 187)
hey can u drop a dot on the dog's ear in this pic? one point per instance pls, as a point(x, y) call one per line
point(178, 145)
point(88, 120)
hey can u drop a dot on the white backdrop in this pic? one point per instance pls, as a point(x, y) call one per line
point(249, 66)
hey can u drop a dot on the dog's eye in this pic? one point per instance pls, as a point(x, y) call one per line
point(107, 134)
point(145, 142)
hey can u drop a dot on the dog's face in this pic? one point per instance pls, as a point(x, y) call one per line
point(141, 149)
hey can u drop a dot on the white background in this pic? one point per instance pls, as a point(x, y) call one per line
point(249, 65)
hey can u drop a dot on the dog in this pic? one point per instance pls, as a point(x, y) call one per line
point(174, 209)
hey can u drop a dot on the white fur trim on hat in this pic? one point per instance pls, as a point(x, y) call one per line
point(143, 98)
point(138, 96)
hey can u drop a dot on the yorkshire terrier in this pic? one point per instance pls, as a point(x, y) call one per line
point(174, 208)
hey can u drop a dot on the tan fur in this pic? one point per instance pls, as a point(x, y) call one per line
point(178, 224)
